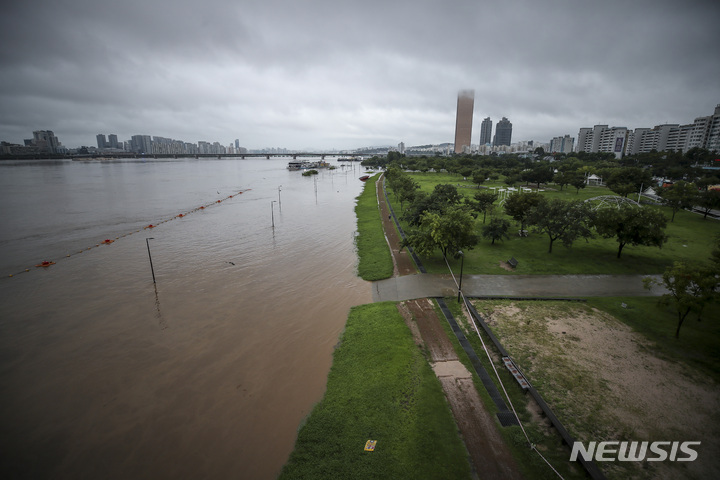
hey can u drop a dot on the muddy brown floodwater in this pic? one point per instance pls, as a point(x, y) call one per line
point(209, 374)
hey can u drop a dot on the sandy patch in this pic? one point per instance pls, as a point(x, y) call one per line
point(505, 265)
point(451, 368)
point(604, 383)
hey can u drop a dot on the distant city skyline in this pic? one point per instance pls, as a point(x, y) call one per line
point(359, 73)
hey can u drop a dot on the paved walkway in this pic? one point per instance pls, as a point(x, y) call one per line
point(423, 285)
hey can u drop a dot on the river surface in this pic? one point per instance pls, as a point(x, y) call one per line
point(205, 374)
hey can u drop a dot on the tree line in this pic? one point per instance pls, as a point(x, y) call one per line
point(686, 184)
point(445, 219)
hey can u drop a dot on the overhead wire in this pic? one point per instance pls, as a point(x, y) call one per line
point(497, 375)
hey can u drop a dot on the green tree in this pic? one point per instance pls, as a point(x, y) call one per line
point(512, 179)
point(484, 202)
point(577, 181)
point(561, 220)
point(449, 231)
point(705, 181)
point(623, 189)
point(405, 189)
point(680, 195)
point(631, 225)
point(570, 165)
point(518, 206)
point(542, 173)
point(496, 230)
point(626, 180)
point(562, 178)
point(708, 200)
point(479, 176)
point(442, 197)
point(690, 288)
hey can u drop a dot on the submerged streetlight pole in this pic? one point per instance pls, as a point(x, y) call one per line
point(272, 212)
point(147, 242)
point(279, 199)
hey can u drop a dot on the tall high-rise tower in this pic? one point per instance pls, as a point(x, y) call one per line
point(463, 121)
point(486, 131)
point(503, 132)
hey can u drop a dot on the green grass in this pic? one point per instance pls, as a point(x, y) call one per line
point(548, 441)
point(690, 238)
point(699, 344)
point(380, 387)
point(374, 258)
point(576, 394)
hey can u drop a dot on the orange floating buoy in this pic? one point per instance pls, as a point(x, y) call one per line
point(150, 226)
point(45, 264)
point(107, 241)
point(181, 215)
point(202, 208)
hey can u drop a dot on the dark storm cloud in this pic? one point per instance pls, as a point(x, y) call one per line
point(346, 74)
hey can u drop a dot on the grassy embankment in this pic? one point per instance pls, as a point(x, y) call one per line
point(380, 387)
point(375, 261)
point(690, 238)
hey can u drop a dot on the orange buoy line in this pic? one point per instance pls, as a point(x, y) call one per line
point(108, 241)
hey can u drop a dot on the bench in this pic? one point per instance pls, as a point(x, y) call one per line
point(510, 365)
point(512, 262)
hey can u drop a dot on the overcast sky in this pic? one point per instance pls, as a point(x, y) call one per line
point(344, 74)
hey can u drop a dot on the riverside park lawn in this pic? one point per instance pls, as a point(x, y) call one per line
point(690, 238)
point(380, 386)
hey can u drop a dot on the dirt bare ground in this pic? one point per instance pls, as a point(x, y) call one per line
point(490, 455)
point(609, 384)
point(403, 263)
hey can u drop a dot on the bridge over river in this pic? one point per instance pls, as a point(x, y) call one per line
point(116, 155)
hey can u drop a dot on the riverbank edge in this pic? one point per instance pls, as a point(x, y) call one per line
point(374, 257)
point(380, 387)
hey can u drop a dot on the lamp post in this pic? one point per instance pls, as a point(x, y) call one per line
point(279, 199)
point(462, 262)
point(272, 212)
point(147, 242)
